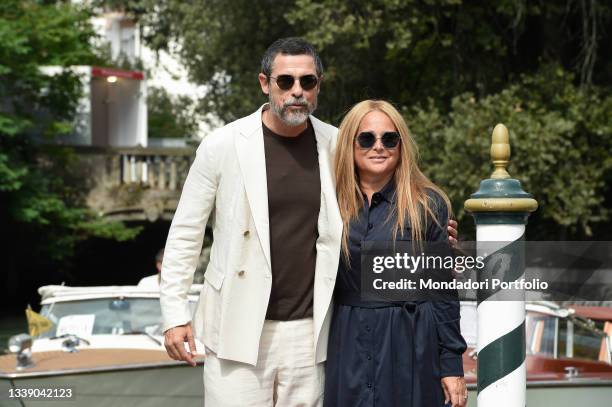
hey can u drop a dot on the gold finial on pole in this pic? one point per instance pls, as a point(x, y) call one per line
point(500, 151)
point(500, 194)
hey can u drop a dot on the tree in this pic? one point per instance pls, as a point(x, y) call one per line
point(447, 64)
point(405, 51)
point(169, 116)
point(42, 207)
point(561, 138)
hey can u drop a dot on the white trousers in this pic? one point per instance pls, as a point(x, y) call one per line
point(285, 374)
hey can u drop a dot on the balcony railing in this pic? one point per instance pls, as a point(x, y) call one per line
point(158, 168)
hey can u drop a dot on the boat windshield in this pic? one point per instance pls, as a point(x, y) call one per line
point(557, 337)
point(113, 316)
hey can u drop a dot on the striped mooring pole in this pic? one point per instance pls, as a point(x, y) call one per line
point(500, 209)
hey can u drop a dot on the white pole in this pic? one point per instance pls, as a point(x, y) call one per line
point(500, 209)
point(499, 321)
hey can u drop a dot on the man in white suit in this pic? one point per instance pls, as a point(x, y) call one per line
point(264, 310)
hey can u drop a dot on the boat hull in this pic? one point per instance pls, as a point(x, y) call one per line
point(571, 393)
point(173, 385)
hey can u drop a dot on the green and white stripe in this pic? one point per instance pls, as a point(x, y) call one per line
point(501, 329)
point(500, 208)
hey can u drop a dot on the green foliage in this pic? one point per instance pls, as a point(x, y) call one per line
point(170, 116)
point(110, 230)
point(404, 51)
point(560, 135)
point(44, 214)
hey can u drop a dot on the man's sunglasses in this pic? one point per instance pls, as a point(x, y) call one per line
point(367, 139)
point(285, 82)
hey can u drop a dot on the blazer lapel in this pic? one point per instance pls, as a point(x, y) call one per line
point(330, 223)
point(252, 161)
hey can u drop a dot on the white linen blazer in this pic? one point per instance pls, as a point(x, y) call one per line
point(228, 179)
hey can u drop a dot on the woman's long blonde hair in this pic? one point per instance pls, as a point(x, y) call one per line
point(411, 185)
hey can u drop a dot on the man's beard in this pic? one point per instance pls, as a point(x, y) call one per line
point(290, 116)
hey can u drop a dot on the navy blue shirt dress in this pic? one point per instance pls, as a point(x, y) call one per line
point(389, 354)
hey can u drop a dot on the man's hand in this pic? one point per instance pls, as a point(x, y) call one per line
point(452, 232)
point(174, 341)
point(455, 391)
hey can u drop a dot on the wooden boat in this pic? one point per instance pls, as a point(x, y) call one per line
point(106, 346)
point(568, 355)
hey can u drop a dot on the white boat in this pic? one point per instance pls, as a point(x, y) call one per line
point(104, 348)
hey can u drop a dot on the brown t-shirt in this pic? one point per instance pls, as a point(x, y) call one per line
point(294, 200)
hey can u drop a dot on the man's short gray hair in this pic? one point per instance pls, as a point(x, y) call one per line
point(289, 46)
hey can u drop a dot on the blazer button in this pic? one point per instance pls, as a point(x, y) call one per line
point(241, 273)
point(246, 233)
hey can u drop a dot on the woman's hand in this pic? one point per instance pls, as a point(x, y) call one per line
point(455, 391)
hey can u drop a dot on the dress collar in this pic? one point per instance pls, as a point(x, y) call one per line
point(386, 193)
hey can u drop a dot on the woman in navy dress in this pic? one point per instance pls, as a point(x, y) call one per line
point(388, 354)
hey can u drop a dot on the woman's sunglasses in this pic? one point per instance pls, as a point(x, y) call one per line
point(367, 139)
point(285, 82)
